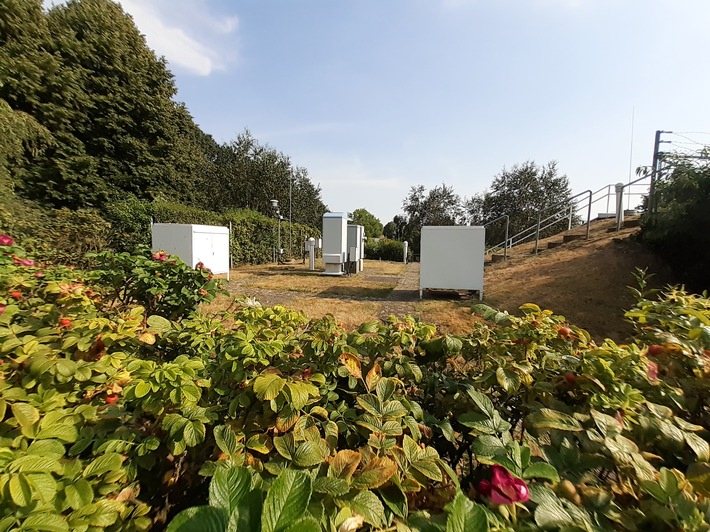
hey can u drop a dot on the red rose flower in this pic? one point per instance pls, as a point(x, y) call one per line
point(652, 371)
point(6, 240)
point(111, 399)
point(159, 256)
point(200, 266)
point(504, 488)
point(16, 295)
point(3, 306)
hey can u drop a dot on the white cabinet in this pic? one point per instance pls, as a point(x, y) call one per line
point(208, 244)
point(451, 258)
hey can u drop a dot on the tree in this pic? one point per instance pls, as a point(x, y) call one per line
point(520, 193)
point(372, 225)
point(680, 229)
point(440, 206)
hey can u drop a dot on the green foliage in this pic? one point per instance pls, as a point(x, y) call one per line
point(118, 400)
point(161, 283)
point(373, 226)
point(79, 80)
point(440, 206)
point(520, 193)
point(385, 249)
point(680, 229)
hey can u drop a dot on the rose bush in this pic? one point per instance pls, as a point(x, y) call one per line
point(123, 406)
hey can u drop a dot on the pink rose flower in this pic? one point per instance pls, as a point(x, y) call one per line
point(652, 371)
point(2, 308)
point(6, 240)
point(504, 488)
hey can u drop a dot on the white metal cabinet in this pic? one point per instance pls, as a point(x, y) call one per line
point(451, 257)
point(208, 244)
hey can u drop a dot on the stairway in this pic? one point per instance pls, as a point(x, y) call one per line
point(599, 228)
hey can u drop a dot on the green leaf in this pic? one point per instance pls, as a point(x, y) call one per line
point(103, 464)
point(370, 404)
point(142, 389)
point(700, 446)
point(331, 486)
point(428, 468)
point(307, 524)
point(226, 439)
point(248, 515)
point(541, 470)
point(286, 501)
point(549, 512)
point(159, 324)
point(308, 454)
point(20, 490)
point(465, 516)
point(79, 493)
point(395, 500)
point(481, 401)
point(508, 380)
point(46, 522)
point(368, 505)
point(65, 433)
point(193, 433)
point(267, 387)
point(385, 389)
point(199, 519)
point(25, 414)
point(35, 464)
point(546, 418)
point(228, 487)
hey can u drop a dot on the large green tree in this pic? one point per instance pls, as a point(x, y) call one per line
point(440, 206)
point(521, 193)
point(372, 225)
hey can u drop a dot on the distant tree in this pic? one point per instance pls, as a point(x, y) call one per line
point(520, 193)
point(394, 229)
point(373, 226)
point(440, 206)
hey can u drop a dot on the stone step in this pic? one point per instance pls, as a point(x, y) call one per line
point(497, 257)
point(571, 238)
point(552, 245)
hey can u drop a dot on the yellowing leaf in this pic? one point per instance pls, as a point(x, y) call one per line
point(147, 338)
point(376, 472)
point(352, 364)
point(373, 376)
point(344, 464)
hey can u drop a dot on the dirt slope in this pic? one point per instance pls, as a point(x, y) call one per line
point(586, 280)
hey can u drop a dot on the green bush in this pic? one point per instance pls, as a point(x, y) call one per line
point(114, 417)
point(130, 223)
point(680, 229)
point(384, 249)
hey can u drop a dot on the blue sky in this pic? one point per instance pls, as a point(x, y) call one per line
point(376, 96)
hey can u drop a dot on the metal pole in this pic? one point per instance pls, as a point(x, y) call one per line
point(537, 232)
point(279, 250)
point(290, 222)
point(505, 245)
point(589, 212)
point(571, 211)
point(654, 172)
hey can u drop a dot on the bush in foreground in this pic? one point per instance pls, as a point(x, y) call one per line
point(113, 417)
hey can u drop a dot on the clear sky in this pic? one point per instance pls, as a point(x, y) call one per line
point(376, 96)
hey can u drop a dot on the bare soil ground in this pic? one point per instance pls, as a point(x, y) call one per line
point(585, 280)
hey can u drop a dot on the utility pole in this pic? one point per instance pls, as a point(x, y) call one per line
point(654, 172)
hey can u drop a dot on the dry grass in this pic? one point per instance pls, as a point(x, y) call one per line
point(350, 313)
point(452, 317)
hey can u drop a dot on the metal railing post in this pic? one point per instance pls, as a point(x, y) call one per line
point(589, 212)
point(537, 232)
point(505, 245)
point(569, 223)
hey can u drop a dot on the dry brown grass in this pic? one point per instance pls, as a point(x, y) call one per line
point(452, 317)
point(350, 313)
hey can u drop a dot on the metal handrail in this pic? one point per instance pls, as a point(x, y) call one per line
point(569, 202)
point(570, 206)
point(619, 209)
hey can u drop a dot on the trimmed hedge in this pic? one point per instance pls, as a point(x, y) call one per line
point(385, 249)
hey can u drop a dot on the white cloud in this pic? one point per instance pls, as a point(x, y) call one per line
point(164, 25)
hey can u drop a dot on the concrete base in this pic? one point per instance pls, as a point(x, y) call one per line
point(333, 269)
